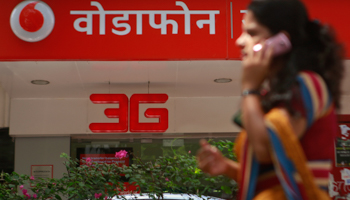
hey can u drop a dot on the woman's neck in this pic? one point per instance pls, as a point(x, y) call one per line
point(276, 65)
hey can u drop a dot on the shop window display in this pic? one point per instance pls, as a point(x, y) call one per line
point(154, 153)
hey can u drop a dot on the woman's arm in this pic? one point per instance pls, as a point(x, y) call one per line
point(211, 161)
point(253, 120)
point(253, 123)
point(256, 68)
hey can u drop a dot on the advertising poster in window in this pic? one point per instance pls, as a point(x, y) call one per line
point(41, 172)
point(104, 158)
point(339, 179)
point(104, 155)
point(342, 152)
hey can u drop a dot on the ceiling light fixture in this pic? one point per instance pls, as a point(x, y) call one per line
point(40, 82)
point(222, 80)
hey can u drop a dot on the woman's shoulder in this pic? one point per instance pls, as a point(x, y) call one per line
point(312, 87)
point(314, 95)
point(310, 77)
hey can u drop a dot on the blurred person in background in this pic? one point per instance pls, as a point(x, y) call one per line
point(288, 108)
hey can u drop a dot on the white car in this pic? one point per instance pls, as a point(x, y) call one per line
point(167, 196)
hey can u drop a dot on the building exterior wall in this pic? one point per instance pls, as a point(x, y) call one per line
point(41, 151)
point(63, 117)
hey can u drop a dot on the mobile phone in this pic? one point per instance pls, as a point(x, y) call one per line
point(280, 44)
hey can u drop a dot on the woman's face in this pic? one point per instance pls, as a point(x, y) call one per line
point(252, 33)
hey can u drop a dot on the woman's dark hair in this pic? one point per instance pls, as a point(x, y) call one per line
point(313, 48)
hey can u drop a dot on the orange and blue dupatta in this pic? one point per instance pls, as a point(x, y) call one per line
point(290, 164)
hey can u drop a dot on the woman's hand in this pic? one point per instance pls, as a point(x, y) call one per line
point(210, 160)
point(256, 65)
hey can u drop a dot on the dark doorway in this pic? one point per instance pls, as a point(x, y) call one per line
point(7, 151)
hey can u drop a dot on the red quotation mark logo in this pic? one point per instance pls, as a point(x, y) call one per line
point(122, 113)
point(32, 21)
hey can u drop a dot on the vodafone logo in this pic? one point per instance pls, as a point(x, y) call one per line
point(32, 21)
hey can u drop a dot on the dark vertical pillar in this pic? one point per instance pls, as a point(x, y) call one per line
point(7, 151)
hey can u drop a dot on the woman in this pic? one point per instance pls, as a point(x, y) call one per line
point(286, 148)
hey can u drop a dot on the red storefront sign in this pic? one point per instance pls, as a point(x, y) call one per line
point(123, 30)
point(144, 30)
point(122, 113)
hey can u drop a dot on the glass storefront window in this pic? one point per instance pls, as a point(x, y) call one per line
point(147, 149)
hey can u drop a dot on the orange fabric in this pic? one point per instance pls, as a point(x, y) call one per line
point(275, 193)
point(239, 142)
point(294, 151)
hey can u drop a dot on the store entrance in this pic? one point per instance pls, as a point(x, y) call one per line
point(7, 151)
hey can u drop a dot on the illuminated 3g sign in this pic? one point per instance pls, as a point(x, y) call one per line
point(122, 113)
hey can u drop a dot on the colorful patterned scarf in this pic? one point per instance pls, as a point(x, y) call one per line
point(297, 179)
